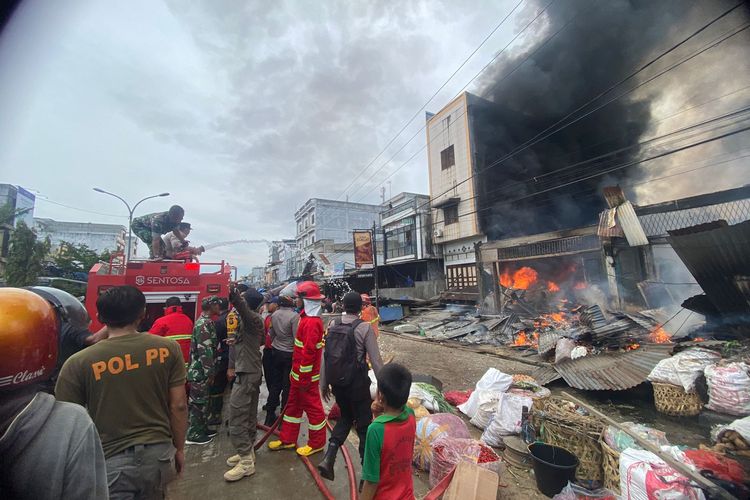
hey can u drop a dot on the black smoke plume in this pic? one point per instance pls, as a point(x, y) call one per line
point(597, 44)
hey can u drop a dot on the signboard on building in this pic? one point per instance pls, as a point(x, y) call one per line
point(363, 255)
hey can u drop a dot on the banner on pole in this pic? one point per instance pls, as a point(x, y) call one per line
point(363, 257)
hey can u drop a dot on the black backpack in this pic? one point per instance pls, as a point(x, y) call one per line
point(341, 364)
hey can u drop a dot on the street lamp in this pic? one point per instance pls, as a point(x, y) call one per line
point(130, 214)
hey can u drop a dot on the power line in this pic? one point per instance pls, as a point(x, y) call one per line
point(543, 135)
point(596, 194)
point(464, 88)
point(39, 198)
point(393, 139)
point(598, 174)
point(651, 140)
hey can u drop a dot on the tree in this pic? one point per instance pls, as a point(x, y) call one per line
point(71, 259)
point(25, 256)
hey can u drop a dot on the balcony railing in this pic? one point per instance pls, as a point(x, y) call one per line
point(399, 208)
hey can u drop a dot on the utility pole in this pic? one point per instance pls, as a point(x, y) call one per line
point(375, 264)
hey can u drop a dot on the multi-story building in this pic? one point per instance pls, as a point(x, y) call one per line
point(454, 189)
point(283, 261)
point(258, 276)
point(320, 219)
point(20, 201)
point(98, 237)
point(410, 260)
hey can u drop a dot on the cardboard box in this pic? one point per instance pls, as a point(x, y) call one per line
point(472, 481)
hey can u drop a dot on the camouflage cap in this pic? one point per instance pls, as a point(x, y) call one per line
point(210, 300)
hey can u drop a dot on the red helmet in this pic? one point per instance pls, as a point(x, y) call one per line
point(309, 290)
point(28, 338)
point(365, 299)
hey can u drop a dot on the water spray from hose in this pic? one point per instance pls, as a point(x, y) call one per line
point(232, 242)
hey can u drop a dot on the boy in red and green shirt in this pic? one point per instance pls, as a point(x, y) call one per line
point(390, 439)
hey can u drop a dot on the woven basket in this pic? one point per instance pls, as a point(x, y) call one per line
point(575, 432)
point(610, 467)
point(673, 400)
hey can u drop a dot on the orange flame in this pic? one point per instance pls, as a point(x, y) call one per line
point(698, 339)
point(521, 279)
point(581, 285)
point(633, 346)
point(506, 279)
point(522, 339)
point(552, 287)
point(659, 336)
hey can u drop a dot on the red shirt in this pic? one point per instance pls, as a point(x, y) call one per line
point(267, 324)
point(389, 450)
point(177, 326)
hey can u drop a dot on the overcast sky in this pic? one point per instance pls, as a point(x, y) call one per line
point(244, 110)
point(241, 110)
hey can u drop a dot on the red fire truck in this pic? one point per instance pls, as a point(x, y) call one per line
point(159, 280)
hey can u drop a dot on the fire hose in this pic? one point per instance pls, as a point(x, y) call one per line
point(310, 467)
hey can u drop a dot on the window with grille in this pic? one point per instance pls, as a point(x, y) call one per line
point(447, 157)
point(450, 214)
point(461, 276)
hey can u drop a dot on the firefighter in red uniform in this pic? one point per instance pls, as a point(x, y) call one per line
point(304, 393)
point(175, 325)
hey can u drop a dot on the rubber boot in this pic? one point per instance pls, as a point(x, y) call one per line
point(325, 467)
point(245, 467)
point(270, 419)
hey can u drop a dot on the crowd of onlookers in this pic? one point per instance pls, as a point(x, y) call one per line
point(140, 398)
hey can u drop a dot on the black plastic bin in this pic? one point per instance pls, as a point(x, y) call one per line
point(553, 467)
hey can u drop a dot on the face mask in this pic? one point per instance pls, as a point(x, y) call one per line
point(312, 307)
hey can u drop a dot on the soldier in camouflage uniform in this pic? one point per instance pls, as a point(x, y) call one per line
point(149, 228)
point(201, 372)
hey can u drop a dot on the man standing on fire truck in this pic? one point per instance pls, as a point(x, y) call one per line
point(149, 228)
point(201, 371)
point(304, 395)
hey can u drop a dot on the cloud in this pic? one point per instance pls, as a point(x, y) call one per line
point(241, 110)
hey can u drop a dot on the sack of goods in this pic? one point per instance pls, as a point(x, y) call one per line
point(432, 429)
point(729, 388)
point(492, 380)
point(644, 475)
point(684, 368)
point(486, 407)
point(450, 451)
point(507, 420)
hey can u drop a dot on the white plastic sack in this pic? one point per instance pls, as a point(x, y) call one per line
point(644, 476)
point(428, 400)
point(578, 352)
point(486, 407)
point(493, 380)
point(507, 419)
point(684, 368)
point(563, 349)
point(373, 385)
point(741, 426)
point(729, 388)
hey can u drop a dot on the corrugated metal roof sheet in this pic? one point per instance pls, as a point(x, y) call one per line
point(716, 255)
point(608, 226)
point(593, 317)
point(548, 340)
point(631, 226)
point(614, 371)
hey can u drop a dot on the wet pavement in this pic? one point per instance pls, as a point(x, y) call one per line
point(279, 474)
